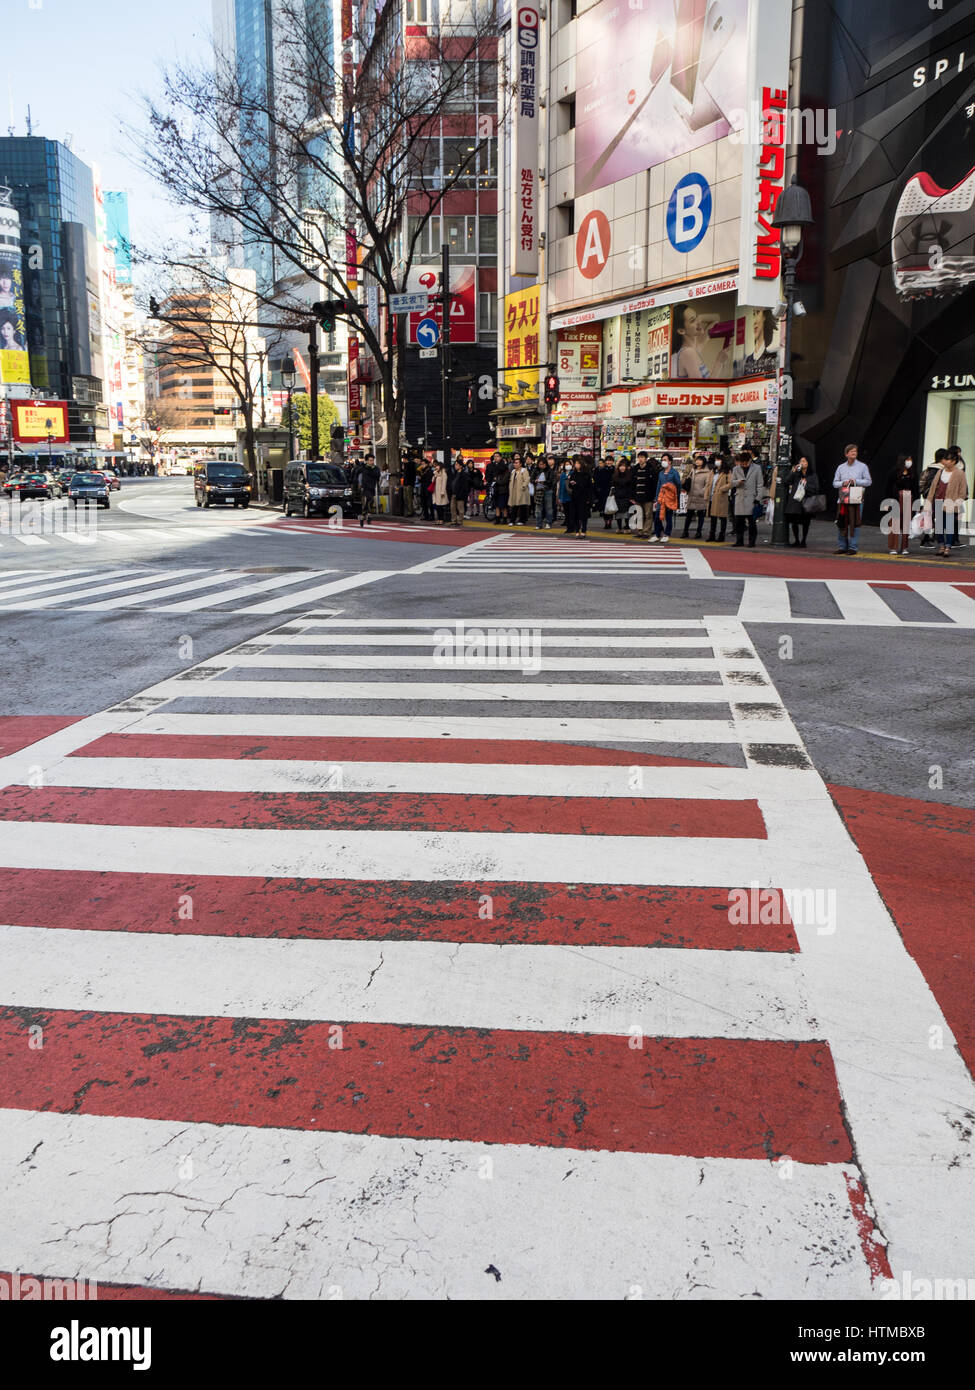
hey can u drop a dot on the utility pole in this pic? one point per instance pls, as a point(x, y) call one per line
point(444, 297)
point(313, 386)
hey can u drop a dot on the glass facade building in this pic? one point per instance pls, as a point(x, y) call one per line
point(53, 190)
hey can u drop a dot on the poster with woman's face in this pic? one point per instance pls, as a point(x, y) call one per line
point(703, 340)
point(757, 346)
point(13, 327)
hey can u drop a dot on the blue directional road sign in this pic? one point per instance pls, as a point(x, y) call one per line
point(428, 333)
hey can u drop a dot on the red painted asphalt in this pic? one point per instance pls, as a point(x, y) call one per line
point(383, 750)
point(383, 530)
point(690, 1096)
point(19, 731)
point(922, 858)
point(443, 812)
point(535, 914)
point(778, 564)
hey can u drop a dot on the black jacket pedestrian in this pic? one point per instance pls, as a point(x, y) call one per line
point(459, 485)
point(793, 507)
point(602, 481)
point(580, 486)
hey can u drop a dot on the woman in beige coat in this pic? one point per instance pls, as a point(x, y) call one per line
point(440, 496)
point(719, 500)
point(518, 498)
point(698, 484)
point(947, 497)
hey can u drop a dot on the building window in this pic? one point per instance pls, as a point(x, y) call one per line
point(460, 233)
point(488, 236)
point(488, 164)
point(565, 220)
point(487, 313)
point(460, 161)
point(417, 12)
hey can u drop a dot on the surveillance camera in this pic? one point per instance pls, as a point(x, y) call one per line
point(781, 309)
point(799, 308)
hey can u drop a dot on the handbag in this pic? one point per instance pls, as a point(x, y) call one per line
point(611, 505)
point(921, 523)
point(855, 495)
point(800, 492)
point(816, 503)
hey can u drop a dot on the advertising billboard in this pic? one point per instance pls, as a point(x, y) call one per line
point(654, 81)
point(14, 360)
point(463, 304)
point(524, 142)
point(579, 363)
point(521, 338)
point(703, 340)
point(35, 421)
point(638, 346)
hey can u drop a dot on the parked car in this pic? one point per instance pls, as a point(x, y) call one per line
point(317, 487)
point(42, 485)
point(112, 478)
point(89, 487)
point(215, 480)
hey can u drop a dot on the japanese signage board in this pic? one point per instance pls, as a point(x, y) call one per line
point(463, 304)
point(674, 294)
point(763, 152)
point(637, 346)
point(40, 420)
point(522, 326)
point(579, 363)
point(525, 197)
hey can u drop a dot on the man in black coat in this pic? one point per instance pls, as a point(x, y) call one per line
point(459, 489)
point(645, 488)
point(367, 480)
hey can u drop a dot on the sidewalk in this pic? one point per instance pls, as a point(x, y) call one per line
point(821, 542)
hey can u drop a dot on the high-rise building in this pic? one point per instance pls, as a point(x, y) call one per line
point(117, 220)
point(54, 193)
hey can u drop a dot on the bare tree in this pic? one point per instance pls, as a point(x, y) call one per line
point(210, 322)
point(338, 146)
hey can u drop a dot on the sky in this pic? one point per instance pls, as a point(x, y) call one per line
point(80, 66)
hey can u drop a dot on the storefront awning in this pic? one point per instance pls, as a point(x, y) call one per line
point(672, 294)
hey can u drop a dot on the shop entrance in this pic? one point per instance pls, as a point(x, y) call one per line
point(950, 419)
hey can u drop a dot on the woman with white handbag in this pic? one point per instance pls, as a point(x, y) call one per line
point(852, 479)
point(801, 483)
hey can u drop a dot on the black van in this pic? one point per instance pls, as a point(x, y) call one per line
point(217, 481)
point(317, 486)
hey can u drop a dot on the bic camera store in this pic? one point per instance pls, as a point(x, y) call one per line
point(658, 288)
point(698, 372)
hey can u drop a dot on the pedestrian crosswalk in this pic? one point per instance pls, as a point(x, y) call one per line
point(914, 603)
point(369, 954)
point(542, 555)
point(164, 590)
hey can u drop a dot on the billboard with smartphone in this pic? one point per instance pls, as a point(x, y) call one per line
point(655, 81)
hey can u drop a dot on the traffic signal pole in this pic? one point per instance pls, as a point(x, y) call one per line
point(444, 297)
point(313, 386)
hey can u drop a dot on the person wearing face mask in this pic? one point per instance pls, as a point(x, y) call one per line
point(946, 500)
point(902, 489)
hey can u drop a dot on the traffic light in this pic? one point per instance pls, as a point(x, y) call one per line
point(327, 310)
point(552, 390)
point(470, 400)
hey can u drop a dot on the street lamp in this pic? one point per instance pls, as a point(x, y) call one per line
point(49, 426)
point(288, 381)
point(793, 213)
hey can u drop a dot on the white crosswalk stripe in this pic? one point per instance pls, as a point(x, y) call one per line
point(224, 590)
point(542, 555)
point(389, 947)
point(857, 602)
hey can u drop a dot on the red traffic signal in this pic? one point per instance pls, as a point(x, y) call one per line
point(553, 391)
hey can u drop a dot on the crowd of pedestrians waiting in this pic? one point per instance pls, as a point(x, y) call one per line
point(650, 494)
